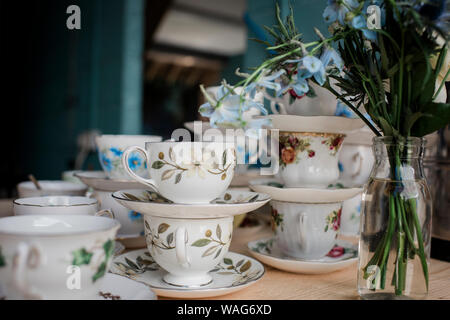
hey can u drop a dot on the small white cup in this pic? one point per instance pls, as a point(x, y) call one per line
point(186, 172)
point(188, 248)
point(55, 257)
point(110, 148)
point(306, 230)
point(58, 205)
point(131, 222)
point(309, 160)
point(27, 189)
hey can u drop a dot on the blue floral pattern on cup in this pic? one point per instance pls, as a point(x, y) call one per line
point(134, 216)
point(110, 160)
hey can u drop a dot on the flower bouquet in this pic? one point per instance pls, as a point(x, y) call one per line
point(388, 61)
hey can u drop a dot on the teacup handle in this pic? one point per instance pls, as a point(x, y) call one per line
point(126, 155)
point(108, 213)
point(303, 230)
point(358, 157)
point(27, 256)
point(180, 247)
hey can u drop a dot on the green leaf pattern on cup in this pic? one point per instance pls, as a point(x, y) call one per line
point(333, 220)
point(216, 242)
point(2, 258)
point(157, 239)
point(208, 165)
point(83, 256)
point(277, 220)
point(264, 246)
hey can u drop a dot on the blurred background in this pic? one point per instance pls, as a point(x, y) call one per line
point(133, 68)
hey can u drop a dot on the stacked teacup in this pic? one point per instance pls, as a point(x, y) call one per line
point(114, 177)
point(306, 204)
point(187, 233)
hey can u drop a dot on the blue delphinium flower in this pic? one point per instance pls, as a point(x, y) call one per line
point(266, 80)
point(227, 107)
point(331, 57)
point(134, 216)
point(360, 22)
point(315, 68)
point(117, 152)
point(344, 111)
point(134, 161)
point(106, 162)
point(435, 10)
point(338, 9)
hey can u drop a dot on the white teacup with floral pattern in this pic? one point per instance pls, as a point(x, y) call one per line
point(186, 172)
point(110, 148)
point(188, 248)
point(306, 230)
point(309, 160)
point(55, 257)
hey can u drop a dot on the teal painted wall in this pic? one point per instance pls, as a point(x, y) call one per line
point(82, 79)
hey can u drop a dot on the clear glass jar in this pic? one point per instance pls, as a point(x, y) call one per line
point(394, 247)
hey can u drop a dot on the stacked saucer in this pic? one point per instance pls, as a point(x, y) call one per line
point(114, 178)
point(306, 204)
point(188, 219)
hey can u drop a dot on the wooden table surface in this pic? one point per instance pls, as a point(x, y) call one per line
point(281, 285)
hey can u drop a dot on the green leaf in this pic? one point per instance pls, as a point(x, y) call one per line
point(131, 196)
point(171, 154)
point(131, 264)
point(227, 261)
point(170, 238)
point(201, 243)
point(167, 174)
point(108, 247)
point(219, 232)
point(386, 127)
point(178, 178)
point(163, 227)
point(210, 251)
point(100, 271)
point(224, 157)
point(410, 120)
point(254, 198)
point(246, 266)
point(435, 116)
point(239, 263)
point(147, 226)
point(218, 253)
point(81, 256)
point(158, 164)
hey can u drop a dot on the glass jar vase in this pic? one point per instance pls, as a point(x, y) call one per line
point(394, 246)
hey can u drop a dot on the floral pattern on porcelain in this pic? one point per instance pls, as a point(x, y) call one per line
point(334, 143)
point(217, 243)
point(143, 263)
point(84, 256)
point(291, 146)
point(277, 220)
point(155, 238)
point(110, 159)
point(333, 220)
point(208, 164)
point(241, 270)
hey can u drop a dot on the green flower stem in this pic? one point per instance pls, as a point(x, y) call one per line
point(327, 86)
point(387, 245)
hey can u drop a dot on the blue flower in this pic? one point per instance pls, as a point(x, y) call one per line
point(340, 166)
point(106, 162)
point(265, 80)
point(359, 22)
point(117, 152)
point(435, 11)
point(331, 57)
point(227, 107)
point(314, 68)
point(134, 161)
point(343, 110)
point(338, 9)
point(134, 216)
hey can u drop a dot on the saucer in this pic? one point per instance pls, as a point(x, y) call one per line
point(304, 195)
point(267, 251)
point(317, 124)
point(231, 203)
point(99, 181)
point(115, 287)
point(235, 273)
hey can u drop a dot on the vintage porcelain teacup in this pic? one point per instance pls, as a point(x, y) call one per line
point(355, 164)
point(57, 205)
point(55, 257)
point(110, 148)
point(188, 248)
point(131, 222)
point(306, 230)
point(351, 216)
point(186, 172)
point(309, 160)
point(27, 189)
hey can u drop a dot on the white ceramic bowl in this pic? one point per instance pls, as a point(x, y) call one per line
point(27, 189)
point(55, 257)
point(110, 148)
point(55, 205)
